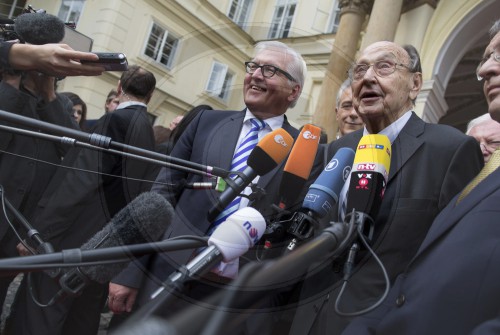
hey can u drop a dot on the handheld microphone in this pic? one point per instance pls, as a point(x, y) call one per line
point(299, 165)
point(368, 179)
point(269, 152)
point(321, 197)
point(143, 220)
point(323, 194)
point(39, 28)
point(230, 240)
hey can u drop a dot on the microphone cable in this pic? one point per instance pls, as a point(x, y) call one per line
point(348, 270)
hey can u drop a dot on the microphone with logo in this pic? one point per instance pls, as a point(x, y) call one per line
point(319, 201)
point(368, 181)
point(298, 165)
point(269, 152)
point(230, 240)
point(143, 220)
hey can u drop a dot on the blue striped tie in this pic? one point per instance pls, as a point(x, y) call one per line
point(239, 163)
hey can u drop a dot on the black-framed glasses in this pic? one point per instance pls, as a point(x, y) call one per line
point(267, 70)
point(496, 58)
point(382, 68)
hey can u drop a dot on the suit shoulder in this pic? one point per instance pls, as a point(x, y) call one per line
point(445, 133)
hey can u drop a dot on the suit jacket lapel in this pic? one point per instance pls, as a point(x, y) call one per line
point(452, 213)
point(223, 141)
point(406, 144)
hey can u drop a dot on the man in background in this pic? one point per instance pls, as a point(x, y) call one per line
point(347, 118)
point(486, 131)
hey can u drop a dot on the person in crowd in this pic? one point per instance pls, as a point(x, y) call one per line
point(486, 131)
point(112, 101)
point(57, 60)
point(273, 83)
point(79, 108)
point(430, 164)
point(77, 204)
point(347, 118)
point(451, 285)
point(27, 163)
point(175, 122)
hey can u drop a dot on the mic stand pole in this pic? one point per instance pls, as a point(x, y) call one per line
point(78, 257)
point(105, 142)
point(32, 233)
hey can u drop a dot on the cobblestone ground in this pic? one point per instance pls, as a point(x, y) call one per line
point(105, 317)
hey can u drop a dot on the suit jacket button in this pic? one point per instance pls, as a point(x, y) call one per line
point(400, 300)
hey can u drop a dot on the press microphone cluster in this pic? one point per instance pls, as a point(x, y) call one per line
point(319, 201)
point(230, 240)
point(269, 152)
point(143, 220)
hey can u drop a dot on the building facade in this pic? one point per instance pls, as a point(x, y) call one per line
point(196, 48)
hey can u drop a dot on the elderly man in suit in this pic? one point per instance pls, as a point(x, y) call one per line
point(272, 84)
point(451, 286)
point(430, 164)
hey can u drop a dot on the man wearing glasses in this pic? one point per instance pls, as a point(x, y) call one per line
point(486, 131)
point(451, 286)
point(273, 83)
point(430, 164)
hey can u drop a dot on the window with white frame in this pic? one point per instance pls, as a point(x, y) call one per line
point(334, 18)
point(220, 80)
point(161, 45)
point(71, 10)
point(282, 19)
point(239, 11)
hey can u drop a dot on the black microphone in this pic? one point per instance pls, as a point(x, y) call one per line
point(321, 197)
point(39, 28)
point(368, 181)
point(143, 220)
point(269, 152)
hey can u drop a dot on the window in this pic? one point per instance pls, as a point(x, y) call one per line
point(239, 10)
point(282, 20)
point(220, 81)
point(70, 10)
point(334, 18)
point(11, 8)
point(161, 45)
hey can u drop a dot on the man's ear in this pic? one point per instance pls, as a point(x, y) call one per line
point(416, 85)
point(294, 94)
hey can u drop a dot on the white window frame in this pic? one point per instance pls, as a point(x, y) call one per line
point(333, 24)
point(219, 81)
point(162, 39)
point(242, 10)
point(282, 21)
point(74, 11)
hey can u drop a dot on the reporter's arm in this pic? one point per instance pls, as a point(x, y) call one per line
point(52, 59)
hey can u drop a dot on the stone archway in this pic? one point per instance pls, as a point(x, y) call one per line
point(454, 96)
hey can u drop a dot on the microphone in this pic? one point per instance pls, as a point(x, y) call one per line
point(269, 152)
point(39, 28)
point(230, 240)
point(368, 180)
point(299, 165)
point(143, 220)
point(321, 197)
point(323, 193)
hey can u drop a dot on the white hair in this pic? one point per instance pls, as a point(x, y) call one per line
point(474, 122)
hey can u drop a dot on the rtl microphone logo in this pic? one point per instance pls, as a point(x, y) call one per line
point(364, 181)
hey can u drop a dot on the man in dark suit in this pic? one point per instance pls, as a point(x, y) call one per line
point(77, 204)
point(451, 286)
point(273, 83)
point(430, 164)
